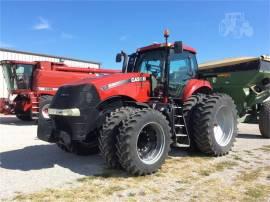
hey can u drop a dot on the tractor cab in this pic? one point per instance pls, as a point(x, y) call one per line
point(18, 75)
point(170, 66)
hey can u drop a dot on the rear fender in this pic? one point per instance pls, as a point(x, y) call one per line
point(194, 86)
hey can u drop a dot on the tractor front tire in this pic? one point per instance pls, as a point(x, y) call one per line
point(215, 124)
point(143, 142)
point(108, 133)
point(264, 119)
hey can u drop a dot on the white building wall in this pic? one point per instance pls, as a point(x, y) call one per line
point(14, 55)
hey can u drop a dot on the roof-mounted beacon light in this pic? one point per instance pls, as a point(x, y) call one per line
point(166, 34)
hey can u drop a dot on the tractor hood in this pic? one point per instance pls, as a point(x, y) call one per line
point(109, 80)
point(92, 91)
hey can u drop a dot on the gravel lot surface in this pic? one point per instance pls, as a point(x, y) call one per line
point(30, 165)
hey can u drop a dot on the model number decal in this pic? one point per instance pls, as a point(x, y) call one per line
point(119, 83)
point(47, 88)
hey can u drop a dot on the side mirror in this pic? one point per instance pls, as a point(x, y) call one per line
point(118, 57)
point(178, 47)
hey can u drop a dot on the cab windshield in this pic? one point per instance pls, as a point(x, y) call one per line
point(181, 64)
point(182, 67)
point(18, 76)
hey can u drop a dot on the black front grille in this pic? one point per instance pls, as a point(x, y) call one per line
point(79, 96)
point(84, 97)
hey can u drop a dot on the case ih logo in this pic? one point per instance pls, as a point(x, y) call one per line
point(137, 79)
point(119, 83)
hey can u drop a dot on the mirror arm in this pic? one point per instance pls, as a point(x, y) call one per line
point(125, 62)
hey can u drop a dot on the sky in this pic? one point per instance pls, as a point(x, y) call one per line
point(98, 30)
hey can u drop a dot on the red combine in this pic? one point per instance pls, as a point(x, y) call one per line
point(35, 83)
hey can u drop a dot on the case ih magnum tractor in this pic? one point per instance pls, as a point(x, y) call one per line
point(35, 83)
point(136, 115)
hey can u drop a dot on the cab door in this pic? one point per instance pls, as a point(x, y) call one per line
point(182, 68)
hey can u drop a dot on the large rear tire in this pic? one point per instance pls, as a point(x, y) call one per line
point(108, 133)
point(19, 112)
point(264, 119)
point(24, 116)
point(20, 102)
point(143, 142)
point(188, 110)
point(215, 124)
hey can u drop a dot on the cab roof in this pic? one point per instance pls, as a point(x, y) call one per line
point(160, 45)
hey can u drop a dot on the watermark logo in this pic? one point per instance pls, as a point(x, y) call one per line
point(235, 25)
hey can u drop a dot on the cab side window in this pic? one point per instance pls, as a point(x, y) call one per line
point(178, 70)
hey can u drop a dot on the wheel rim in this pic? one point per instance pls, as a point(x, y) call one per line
point(150, 143)
point(223, 125)
point(45, 112)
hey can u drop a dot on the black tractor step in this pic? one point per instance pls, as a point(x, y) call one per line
point(177, 107)
point(181, 135)
point(179, 125)
point(176, 144)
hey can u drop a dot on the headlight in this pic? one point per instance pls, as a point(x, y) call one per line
point(64, 112)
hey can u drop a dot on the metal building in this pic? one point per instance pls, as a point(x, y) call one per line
point(9, 54)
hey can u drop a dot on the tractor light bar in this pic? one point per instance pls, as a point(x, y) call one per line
point(64, 112)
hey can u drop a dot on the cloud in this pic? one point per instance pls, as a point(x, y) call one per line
point(65, 35)
point(123, 38)
point(43, 24)
point(5, 45)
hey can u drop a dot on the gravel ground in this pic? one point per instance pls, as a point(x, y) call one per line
point(30, 165)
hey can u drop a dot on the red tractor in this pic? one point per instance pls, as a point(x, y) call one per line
point(135, 116)
point(35, 83)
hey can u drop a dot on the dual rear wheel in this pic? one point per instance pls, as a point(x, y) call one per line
point(138, 140)
point(214, 124)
